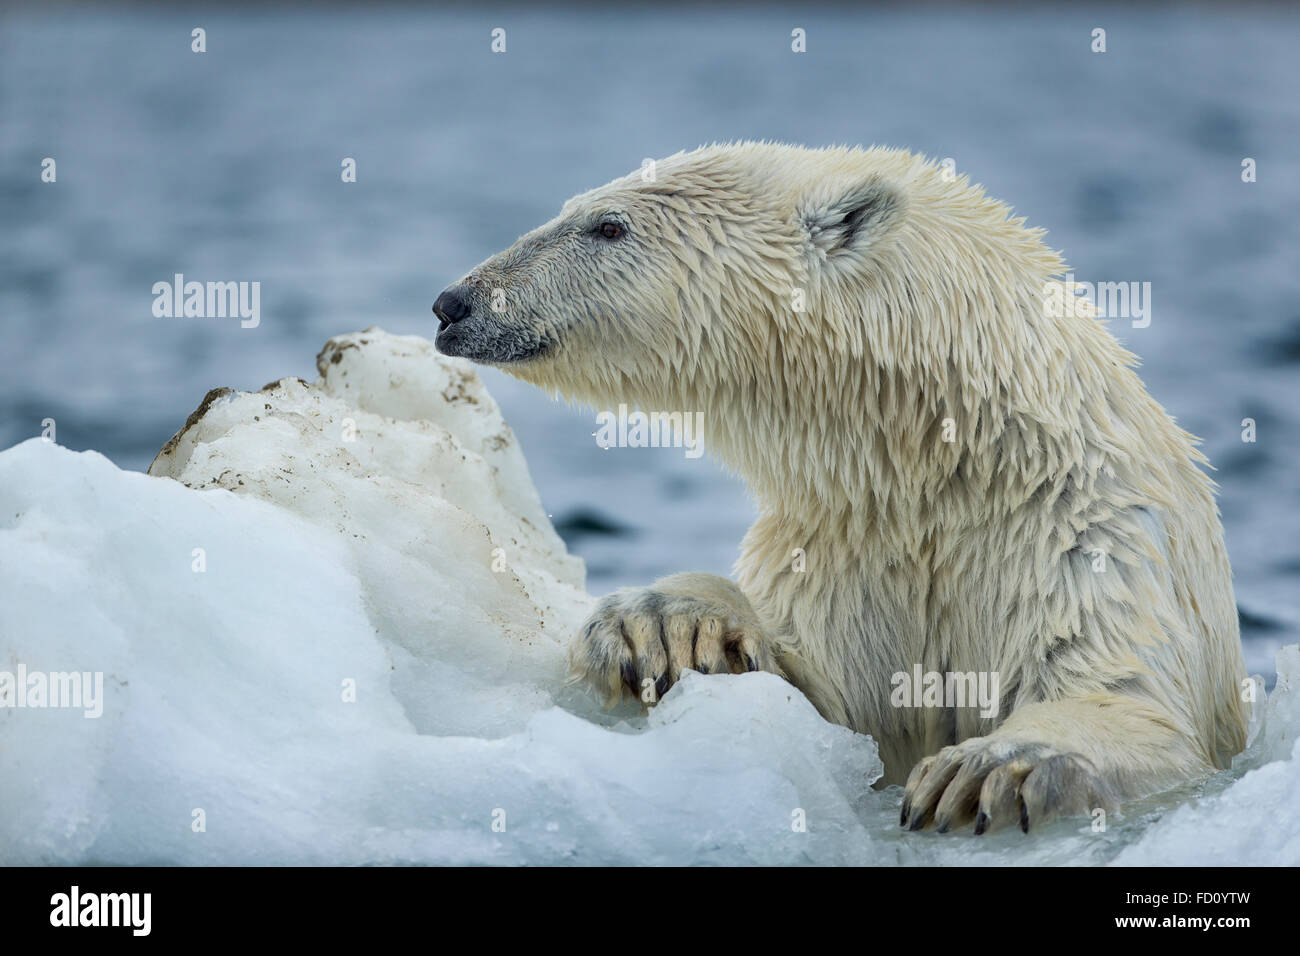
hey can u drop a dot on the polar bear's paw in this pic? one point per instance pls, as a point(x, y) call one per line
point(639, 640)
point(998, 783)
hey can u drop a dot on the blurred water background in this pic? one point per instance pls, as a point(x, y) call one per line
point(225, 165)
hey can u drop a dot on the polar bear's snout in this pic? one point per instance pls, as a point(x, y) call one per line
point(472, 326)
point(463, 329)
point(451, 306)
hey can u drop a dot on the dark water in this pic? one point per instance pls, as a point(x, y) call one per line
point(225, 165)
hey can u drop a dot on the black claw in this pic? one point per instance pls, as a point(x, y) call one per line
point(661, 686)
point(750, 663)
point(629, 677)
point(702, 668)
point(919, 820)
point(1024, 818)
point(902, 816)
point(943, 827)
point(981, 823)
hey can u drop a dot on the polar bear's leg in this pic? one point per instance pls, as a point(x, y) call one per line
point(1048, 760)
point(643, 638)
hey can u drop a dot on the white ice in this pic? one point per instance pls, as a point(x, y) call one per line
point(331, 625)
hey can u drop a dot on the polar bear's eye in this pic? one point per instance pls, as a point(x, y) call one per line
point(610, 229)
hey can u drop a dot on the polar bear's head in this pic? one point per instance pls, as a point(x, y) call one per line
point(688, 267)
point(705, 272)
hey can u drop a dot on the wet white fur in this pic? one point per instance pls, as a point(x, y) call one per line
point(974, 555)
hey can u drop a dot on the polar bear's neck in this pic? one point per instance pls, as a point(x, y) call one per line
point(896, 448)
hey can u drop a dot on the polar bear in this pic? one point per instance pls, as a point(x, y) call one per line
point(955, 474)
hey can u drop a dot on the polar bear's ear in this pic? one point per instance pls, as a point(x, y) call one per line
point(849, 220)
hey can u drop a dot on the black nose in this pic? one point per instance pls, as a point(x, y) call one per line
point(450, 307)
